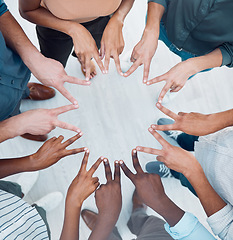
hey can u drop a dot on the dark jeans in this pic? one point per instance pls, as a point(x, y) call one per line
point(58, 45)
point(187, 142)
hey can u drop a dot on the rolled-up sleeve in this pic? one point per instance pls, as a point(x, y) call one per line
point(222, 222)
point(227, 54)
point(3, 7)
point(162, 2)
point(189, 228)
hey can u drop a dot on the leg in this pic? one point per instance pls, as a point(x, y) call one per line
point(42, 213)
point(187, 141)
point(147, 227)
point(54, 44)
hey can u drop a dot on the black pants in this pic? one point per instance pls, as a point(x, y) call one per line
point(58, 45)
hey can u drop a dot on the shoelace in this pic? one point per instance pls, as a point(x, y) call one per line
point(165, 170)
point(174, 134)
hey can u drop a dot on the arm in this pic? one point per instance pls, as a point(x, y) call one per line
point(180, 225)
point(36, 122)
point(184, 162)
point(112, 43)
point(49, 72)
point(177, 76)
point(50, 153)
point(108, 201)
point(196, 123)
point(84, 44)
point(81, 188)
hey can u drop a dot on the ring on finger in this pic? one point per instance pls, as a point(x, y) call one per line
point(172, 87)
point(134, 59)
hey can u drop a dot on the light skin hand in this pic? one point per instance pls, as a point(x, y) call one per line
point(52, 151)
point(175, 78)
point(51, 73)
point(150, 190)
point(143, 53)
point(191, 123)
point(86, 49)
point(173, 157)
point(112, 43)
point(109, 202)
point(43, 121)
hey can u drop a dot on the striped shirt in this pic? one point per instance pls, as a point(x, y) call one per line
point(19, 220)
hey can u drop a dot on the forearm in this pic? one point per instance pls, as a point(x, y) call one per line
point(123, 10)
point(15, 165)
point(41, 16)
point(210, 200)
point(103, 228)
point(210, 60)
point(168, 210)
point(71, 222)
point(154, 16)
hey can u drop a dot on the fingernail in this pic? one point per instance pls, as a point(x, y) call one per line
point(153, 126)
point(144, 80)
point(78, 130)
point(160, 101)
point(105, 160)
point(80, 134)
point(86, 150)
point(87, 78)
point(121, 162)
point(151, 129)
point(117, 162)
point(134, 151)
point(158, 104)
point(122, 74)
point(147, 83)
point(138, 148)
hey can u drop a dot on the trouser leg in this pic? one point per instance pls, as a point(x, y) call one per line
point(54, 44)
point(11, 187)
point(147, 227)
point(187, 141)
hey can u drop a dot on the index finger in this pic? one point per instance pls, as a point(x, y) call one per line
point(72, 139)
point(85, 160)
point(146, 71)
point(75, 80)
point(95, 166)
point(135, 65)
point(166, 111)
point(88, 67)
point(63, 109)
point(126, 170)
point(160, 139)
point(117, 63)
point(164, 91)
point(136, 163)
point(99, 62)
point(67, 94)
point(108, 171)
point(117, 173)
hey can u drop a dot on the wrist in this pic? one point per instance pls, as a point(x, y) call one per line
point(194, 171)
point(73, 29)
point(73, 201)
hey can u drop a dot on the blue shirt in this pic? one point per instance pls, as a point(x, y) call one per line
point(14, 75)
point(200, 26)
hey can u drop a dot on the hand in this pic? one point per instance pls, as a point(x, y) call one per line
point(84, 184)
point(191, 123)
point(175, 78)
point(108, 197)
point(86, 49)
point(143, 53)
point(173, 157)
point(43, 121)
point(148, 186)
point(52, 151)
point(112, 43)
point(51, 73)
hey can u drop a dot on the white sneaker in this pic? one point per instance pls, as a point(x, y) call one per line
point(27, 180)
point(50, 201)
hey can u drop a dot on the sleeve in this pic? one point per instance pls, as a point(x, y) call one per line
point(162, 2)
point(222, 222)
point(227, 54)
point(189, 228)
point(3, 7)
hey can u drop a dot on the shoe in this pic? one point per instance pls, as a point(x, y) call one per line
point(49, 201)
point(89, 217)
point(171, 133)
point(27, 181)
point(159, 168)
point(40, 92)
point(137, 203)
point(39, 138)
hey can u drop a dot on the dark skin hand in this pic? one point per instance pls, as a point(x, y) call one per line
point(50, 153)
point(109, 202)
point(150, 190)
point(83, 185)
